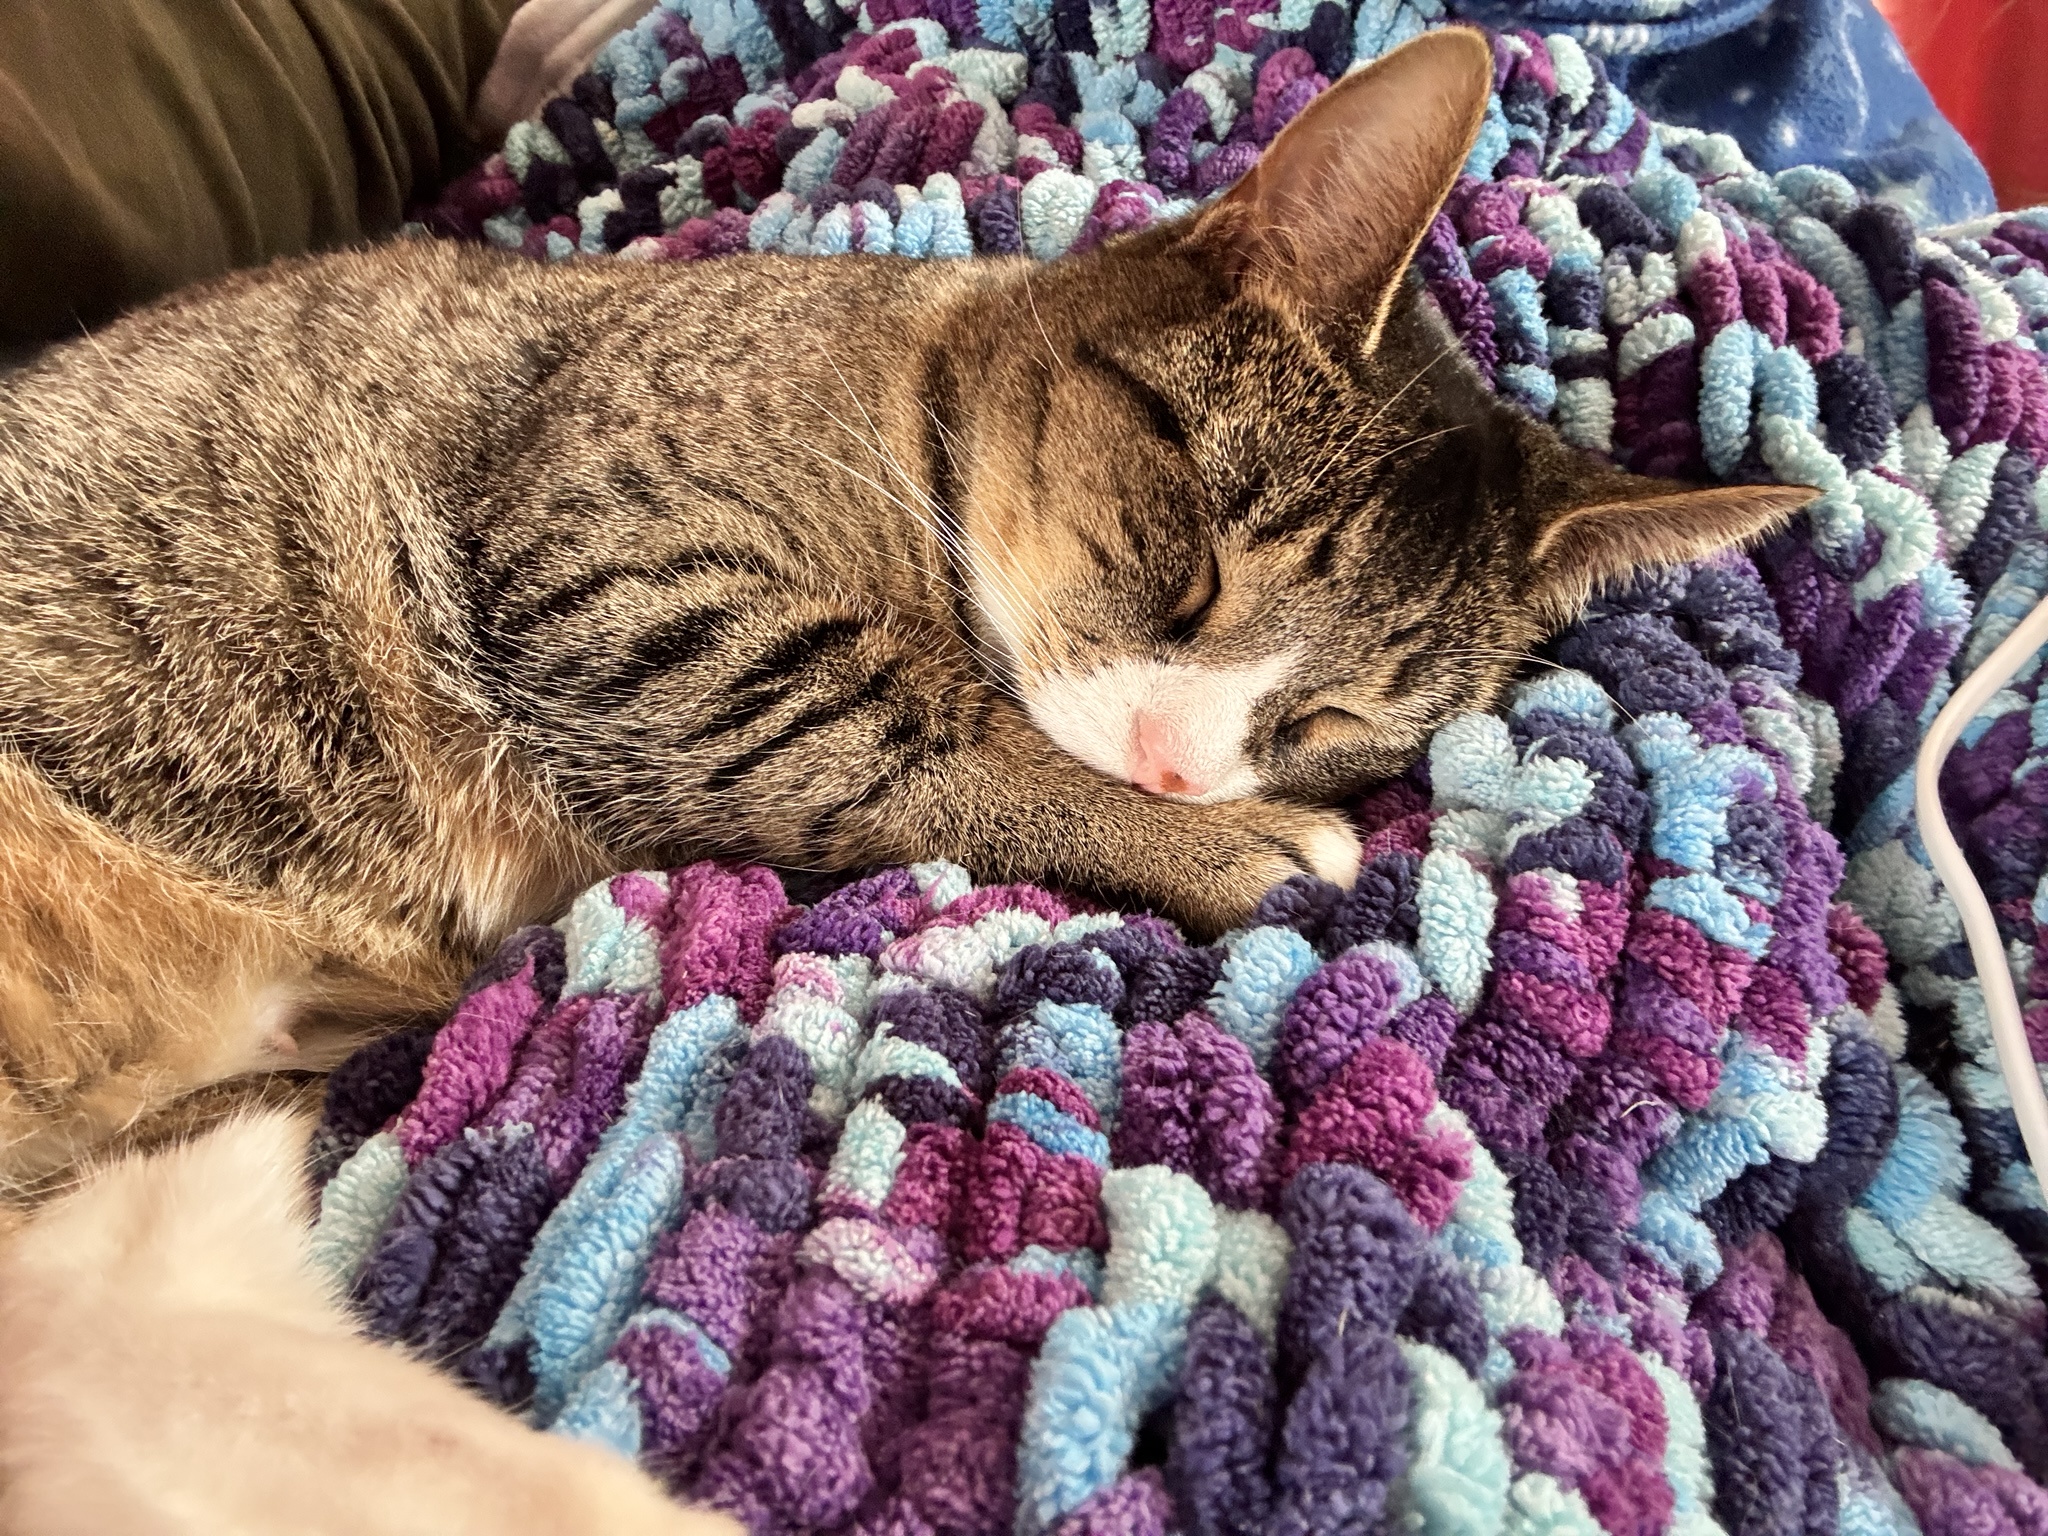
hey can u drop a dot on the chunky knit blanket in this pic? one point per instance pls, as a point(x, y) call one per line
point(1795, 82)
point(1624, 1153)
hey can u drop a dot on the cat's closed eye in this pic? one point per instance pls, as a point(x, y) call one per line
point(1195, 603)
point(1327, 726)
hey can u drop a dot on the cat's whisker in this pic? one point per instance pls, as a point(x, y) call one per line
point(1402, 446)
point(881, 490)
point(1519, 659)
point(1415, 378)
point(1494, 653)
point(1045, 624)
point(991, 667)
point(1414, 442)
point(935, 520)
point(916, 514)
point(957, 543)
point(1051, 352)
point(1514, 657)
point(1038, 617)
point(880, 446)
point(932, 520)
point(1374, 419)
point(1005, 590)
point(97, 345)
point(937, 579)
point(1332, 459)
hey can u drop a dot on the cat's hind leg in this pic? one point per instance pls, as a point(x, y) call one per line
point(128, 980)
point(172, 1362)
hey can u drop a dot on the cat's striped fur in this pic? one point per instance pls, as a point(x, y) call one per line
point(356, 610)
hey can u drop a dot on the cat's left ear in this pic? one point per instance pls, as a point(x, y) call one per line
point(1327, 220)
point(1614, 523)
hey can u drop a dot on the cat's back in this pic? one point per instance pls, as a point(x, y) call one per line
point(215, 501)
point(426, 364)
point(227, 591)
point(249, 763)
point(411, 336)
point(252, 467)
point(243, 521)
point(412, 323)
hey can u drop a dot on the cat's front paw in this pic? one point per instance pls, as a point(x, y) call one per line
point(1334, 849)
point(1250, 846)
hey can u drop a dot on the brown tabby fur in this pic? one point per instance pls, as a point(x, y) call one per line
point(359, 609)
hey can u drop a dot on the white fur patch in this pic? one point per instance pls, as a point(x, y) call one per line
point(1334, 852)
point(1201, 714)
point(174, 1363)
point(272, 1013)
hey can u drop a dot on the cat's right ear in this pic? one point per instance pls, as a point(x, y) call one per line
point(1329, 218)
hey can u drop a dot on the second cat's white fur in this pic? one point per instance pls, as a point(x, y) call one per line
point(171, 1364)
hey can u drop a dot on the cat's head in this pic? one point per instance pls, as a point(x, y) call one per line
point(1236, 512)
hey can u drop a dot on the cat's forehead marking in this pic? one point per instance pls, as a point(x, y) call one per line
point(1204, 711)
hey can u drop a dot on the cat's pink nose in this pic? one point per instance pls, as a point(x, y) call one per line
point(1153, 760)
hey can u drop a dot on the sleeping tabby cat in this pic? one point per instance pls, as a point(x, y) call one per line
point(359, 609)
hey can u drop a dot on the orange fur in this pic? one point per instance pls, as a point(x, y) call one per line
point(121, 977)
point(127, 980)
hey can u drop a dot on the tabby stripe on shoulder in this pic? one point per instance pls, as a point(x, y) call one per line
point(771, 678)
point(817, 718)
point(573, 596)
point(673, 643)
point(798, 652)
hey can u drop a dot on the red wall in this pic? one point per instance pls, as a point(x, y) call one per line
point(1986, 63)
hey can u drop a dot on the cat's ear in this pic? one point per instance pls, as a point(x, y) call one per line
point(1333, 211)
point(1616, 523)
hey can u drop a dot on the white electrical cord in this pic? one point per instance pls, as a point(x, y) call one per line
point(2008, 1033)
